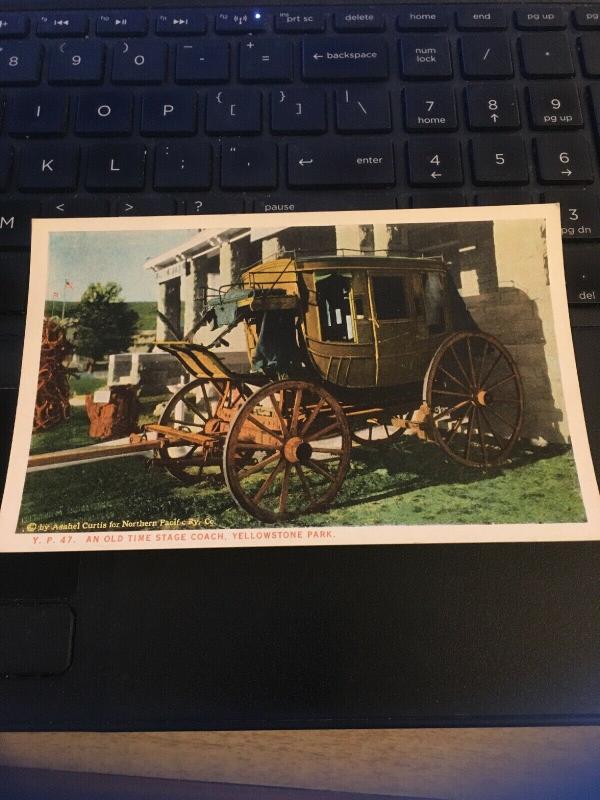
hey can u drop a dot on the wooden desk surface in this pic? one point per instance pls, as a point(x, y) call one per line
point(458, 764)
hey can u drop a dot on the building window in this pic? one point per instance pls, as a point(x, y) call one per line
point(389, 296)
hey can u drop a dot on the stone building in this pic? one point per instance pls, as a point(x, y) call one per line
point(496, 267)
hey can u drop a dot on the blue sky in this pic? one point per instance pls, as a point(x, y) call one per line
point(98, 257)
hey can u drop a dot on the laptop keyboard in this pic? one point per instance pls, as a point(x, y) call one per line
point(184, 111)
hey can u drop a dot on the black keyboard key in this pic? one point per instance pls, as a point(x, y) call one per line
point(77, 63)
point(546, 55)
point(365, 20)
point(594, 95)
point(145, 207)
point(474, 18)
point(48, 167)
point(360, 162)
point(554, 105)
point(344, 58)
point(249, 165)
point(587, 18)
point(299, 21)
point(13, 26)
point(62, 25)
point(486, 56)
point(492, 107)
point(499, 160)
point(6, 163)
point(104, 114)
point(14, 274)
point(579, 213)
point(563, 158)
point(541, 18)
point(503, 197)
point(434, 162)
point(429, 108)
point(169, 112)
point(139, 63)
point(363, 110)
point(67, 207)
point(116, 167)
point(298, 111)
point(425, 56)
point(20, 63)
point(203, 62)
point(241, 21)
point(438, 199)
point(210, 204)
point(589, 47)
point(265, 61)
point(122, 23)
point(37, 114)
point(582, 275)
point(15, 222)
point(185, 23)
point(234, 111)
point(279, 204)
point(182, 166)
point(417, 18)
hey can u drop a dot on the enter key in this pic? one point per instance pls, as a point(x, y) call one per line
point(365, 163)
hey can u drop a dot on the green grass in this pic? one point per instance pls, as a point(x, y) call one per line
point(409, 484)
point(84, 383)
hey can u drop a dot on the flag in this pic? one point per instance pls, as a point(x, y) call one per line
point(68, 284)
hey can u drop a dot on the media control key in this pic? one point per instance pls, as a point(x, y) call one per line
point(369, 162)
point(347, 58)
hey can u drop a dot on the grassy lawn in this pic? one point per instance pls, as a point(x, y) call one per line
point(410, 483)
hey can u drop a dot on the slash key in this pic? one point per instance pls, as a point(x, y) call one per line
point(368, 163)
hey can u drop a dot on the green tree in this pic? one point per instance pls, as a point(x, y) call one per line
point(105, 324)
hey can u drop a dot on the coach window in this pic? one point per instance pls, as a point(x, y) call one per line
point(389, 297)
point(335, 314)
point(434, 296)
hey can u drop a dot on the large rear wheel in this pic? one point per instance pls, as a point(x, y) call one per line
point(475, 396)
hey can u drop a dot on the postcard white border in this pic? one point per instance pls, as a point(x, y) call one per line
point(10, 541)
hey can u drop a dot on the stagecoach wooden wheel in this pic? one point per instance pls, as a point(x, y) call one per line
point(201, 406)
point(287, 452)
point(475, 396)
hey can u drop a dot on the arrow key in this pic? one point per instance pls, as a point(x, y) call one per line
point(563, 158)
point(434, 162)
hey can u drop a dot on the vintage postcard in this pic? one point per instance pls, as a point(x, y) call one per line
point(299, 379)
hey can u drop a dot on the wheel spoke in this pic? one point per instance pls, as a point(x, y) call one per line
point(470, 434)
point(303, 481)
point(243, 473)
point(457, 425)
point(285, 485)
point(450, 410)
point(326, 449)
point(321, 470)
point(194, 409)
point(313, 415)
point(480, 432)
point(510, 425)
point(323, 433)
point(453, 377)
point(502, 381)
point(483, 357)
point(296, 412)
point(447, 391)
point(279, 411)
point(501, 444)
point(269, 481)
point(263, 428)
point(250, 445)
point(460, 366)
point(471, 367)
point(489, 372)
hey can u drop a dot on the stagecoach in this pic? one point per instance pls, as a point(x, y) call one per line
point(343, 350)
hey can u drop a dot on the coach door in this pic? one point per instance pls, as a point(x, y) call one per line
point(394, 327)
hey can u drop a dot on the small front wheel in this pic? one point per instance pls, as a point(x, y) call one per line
point(287, 452)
